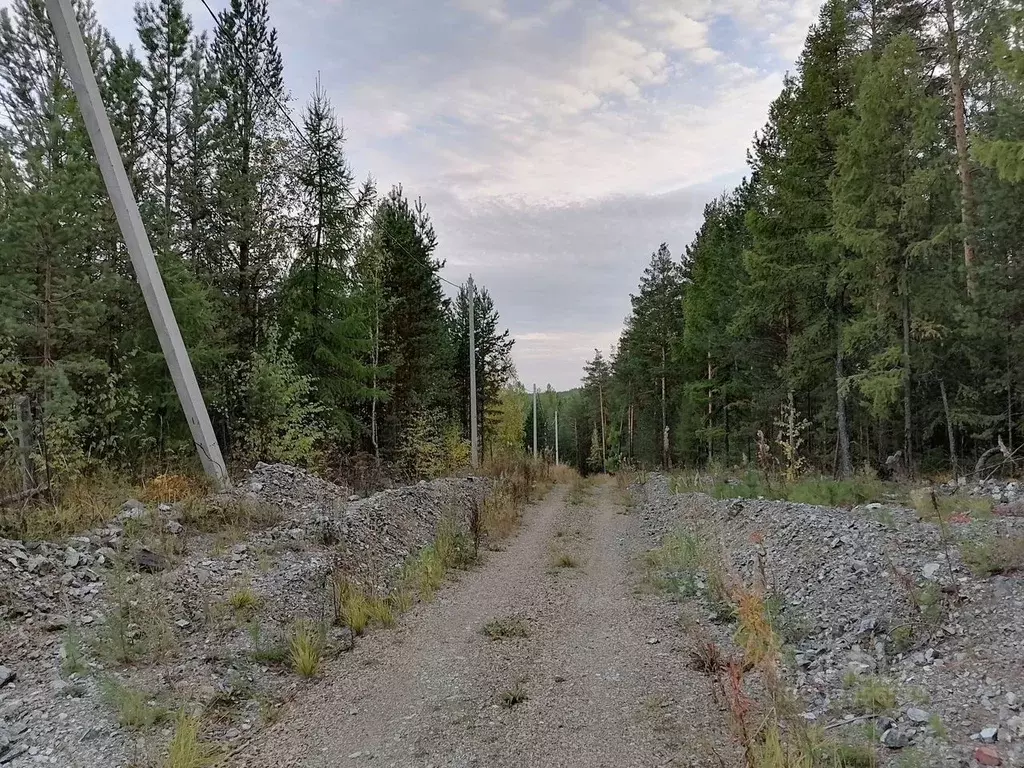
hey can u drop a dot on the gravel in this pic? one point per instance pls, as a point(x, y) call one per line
point(53, 592)
point(847, 580)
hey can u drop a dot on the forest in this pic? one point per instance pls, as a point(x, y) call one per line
point(311, 303)
point(858, 300)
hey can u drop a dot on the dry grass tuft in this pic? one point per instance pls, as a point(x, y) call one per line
point(506, 627)
point(306, 648)
point(187, 748)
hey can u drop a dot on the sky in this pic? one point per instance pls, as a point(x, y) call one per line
point(555, 143)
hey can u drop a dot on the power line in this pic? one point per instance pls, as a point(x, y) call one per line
point(287, 115)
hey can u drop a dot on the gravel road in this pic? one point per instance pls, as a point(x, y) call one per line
point(603, 667)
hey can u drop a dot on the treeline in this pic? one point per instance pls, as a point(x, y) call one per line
point(311, 304)
point(860, 298)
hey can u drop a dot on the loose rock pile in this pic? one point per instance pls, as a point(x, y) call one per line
point(171, 587)
point(874, 593)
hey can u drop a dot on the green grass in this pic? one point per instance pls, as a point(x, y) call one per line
point(73, 662)
point(565, 560)
point(514, 696)
point(187, 749)
point(134, 708)
point(874, 696)
point(819, 491)
point(993, 555)
point(243, 599)
point(306, 649)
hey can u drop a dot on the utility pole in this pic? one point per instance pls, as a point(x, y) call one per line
point(556, 438)
point(534, 421)
point(76, 59)
point(473, 440)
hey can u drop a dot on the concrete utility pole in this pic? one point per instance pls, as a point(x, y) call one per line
point(535, 421)
point(473, 440)
point(556, 438)
point(76, 59)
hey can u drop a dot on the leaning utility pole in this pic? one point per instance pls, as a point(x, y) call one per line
point(534, 421)
point(475, 455)
point(76, 59)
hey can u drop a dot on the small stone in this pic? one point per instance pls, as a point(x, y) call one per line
point(56, 623)
point(989, 734)
point(987, 756)
point(653, 641)
point(931, 570)
point(353, 497)
point(1011, 700)
point(7, 675)
point(182, 623)
point(39, 564)
point(917, 715)
point(895, 738)
point(174, 528)
point(233, 734)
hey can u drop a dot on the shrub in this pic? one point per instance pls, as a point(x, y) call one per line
point(994, 554)
point(134, 708)
point(506, 627)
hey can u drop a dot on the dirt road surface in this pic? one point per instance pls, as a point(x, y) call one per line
point(603, 666)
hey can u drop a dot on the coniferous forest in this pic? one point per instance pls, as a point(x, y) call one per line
point(311, 302)
point(859, 298)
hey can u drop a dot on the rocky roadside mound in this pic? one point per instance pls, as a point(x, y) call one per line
point(189, 605)
point(875, 600)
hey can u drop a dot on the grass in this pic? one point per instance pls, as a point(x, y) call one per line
point(139, 626)
point(228, 513)
point(187, 749)
point(939, 508)
point(305, 649)
point(506, 627)
point(73, 661)
point(565, 560)
point(134, 708)
point(514, 696)
point(352, 607)
point(243, 600)
point(874, 696)
point(579, 492)
point(817, 490)
point(262, 651)
point(85, 503)
point(993, 555)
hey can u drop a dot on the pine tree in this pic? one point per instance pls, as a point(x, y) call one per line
point(319, 310)
point(165, 30)
point(193, 182)
point(251, 145)
point(414, 342)
point(890, 194)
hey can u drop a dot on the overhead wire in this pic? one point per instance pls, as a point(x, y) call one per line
point(298, 131)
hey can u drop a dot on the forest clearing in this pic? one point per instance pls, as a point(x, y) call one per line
point(273, 491)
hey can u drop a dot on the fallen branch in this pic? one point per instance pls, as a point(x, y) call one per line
point(23, 495)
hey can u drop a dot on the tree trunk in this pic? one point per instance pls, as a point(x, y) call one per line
point(968, 205)
point(949, 430)
point(710, 410)
point(664, 417)
point(604, 458)
point(845, 462)
point(907, 424)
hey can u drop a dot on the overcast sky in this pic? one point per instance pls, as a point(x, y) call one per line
point(555, 143)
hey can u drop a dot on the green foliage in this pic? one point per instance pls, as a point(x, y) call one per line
point(306, 648)
point(135, 708)
point(187, 749)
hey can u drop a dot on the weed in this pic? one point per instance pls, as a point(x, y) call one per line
point(579, 493)
point(514, 695)
point(187, 749)
point(306, 648)
point(565, 560)
point(73, 661)
point(381, 611)
point(139, 624)
point(352, 607)
point(170, 488)
point(874, 696)
point(134, 708)
point(401, 600)
point(938, 727)
point(227, 512)
point(903, 638)
point(273, 653)
point(937, 508)
point(504, 628)
point(994, 555)
point(85, 503)
point(243, 600)
point(706, 657)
